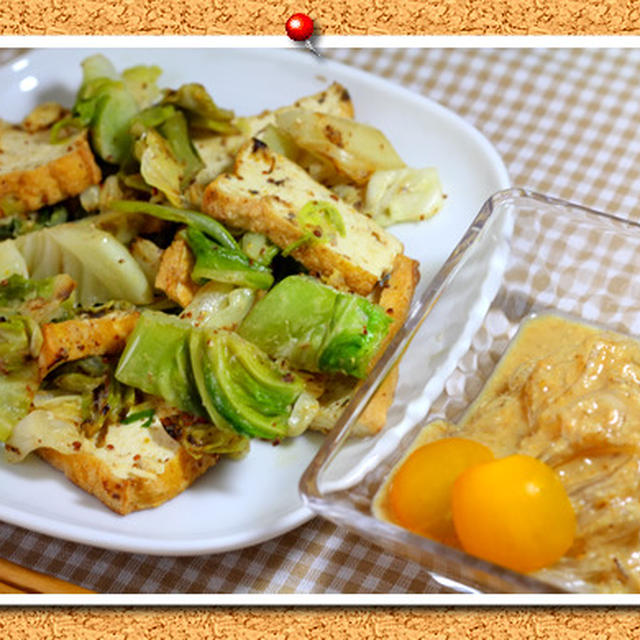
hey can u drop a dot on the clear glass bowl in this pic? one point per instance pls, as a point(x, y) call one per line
point(524, 253)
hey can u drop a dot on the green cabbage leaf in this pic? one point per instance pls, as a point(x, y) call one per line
point(317, 328)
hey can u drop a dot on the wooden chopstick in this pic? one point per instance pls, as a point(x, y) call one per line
point(17, 579)
point(7, 588)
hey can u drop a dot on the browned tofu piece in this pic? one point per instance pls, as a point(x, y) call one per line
point(133, 493)
point(83, 337)
point(218, 152)
point(397, 293)
point(395, 297)
point(265, 194)
point(174, 273)
point(35, 173)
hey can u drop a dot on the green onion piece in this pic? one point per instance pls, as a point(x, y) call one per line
point(139, 415)
point(69, 121)
point(176, 132)
point(318, 213)
point(321, 217)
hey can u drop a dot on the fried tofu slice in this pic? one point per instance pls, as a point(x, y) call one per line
point(265, 194)
point(129, 467)
point(396, 294)
point(218, 152)
point(395, 298)
point(83, 337)
point(101, 476)
point(35, 173)
point(174, 273)
point(335, 100)
point(44, 116)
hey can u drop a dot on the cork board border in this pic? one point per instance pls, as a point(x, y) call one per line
point(327, 624)
point(337, 17)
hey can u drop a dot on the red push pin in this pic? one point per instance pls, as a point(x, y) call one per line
point(300, 29)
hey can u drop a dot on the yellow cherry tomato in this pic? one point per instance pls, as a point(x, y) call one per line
point(514, 512)
point(419, 497)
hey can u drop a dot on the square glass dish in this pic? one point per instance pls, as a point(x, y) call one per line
point(524, 253)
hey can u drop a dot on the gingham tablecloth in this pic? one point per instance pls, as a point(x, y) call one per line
point(566, 122)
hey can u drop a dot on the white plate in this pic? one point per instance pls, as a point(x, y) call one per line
point(237, 504)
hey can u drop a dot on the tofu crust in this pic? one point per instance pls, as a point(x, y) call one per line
point(218, 152)
point(82, 337)
point(67, 170)
point(395, 298)
point(264, 195)
point(125, 495)
point(397, 293)
point(174, 273)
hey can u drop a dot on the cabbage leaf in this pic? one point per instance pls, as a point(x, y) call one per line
point(215, 374)
point(18, 370)
point(101, 266)
point(244, 390)
point(156, 360)
point(201, 110)
point(219, 306)
point(317, 328)
point(354, 149)
point(401, 195)
point(214, 262)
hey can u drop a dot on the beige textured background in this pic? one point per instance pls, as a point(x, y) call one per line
point(327, 624)
point(337, 17)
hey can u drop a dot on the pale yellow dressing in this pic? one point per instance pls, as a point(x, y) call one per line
point(569, 394)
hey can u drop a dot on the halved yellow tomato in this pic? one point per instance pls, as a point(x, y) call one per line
point(514, 512)
point(419, 497)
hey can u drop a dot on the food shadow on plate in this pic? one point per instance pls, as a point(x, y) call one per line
point(54, 93)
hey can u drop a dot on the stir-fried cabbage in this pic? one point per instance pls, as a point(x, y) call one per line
point(11, 260)
point(355, 149)
point(159, 167)
point(106, 103)
point(400, 195)
point(46, 300)
point(244, 390)
point(317, 328)
point(16, 390)
point(214, 262)
point(200, 221)
point(100, 265)
point(21, 223)
point(23, 304)
point(279, 141)
point(176, 131)
point(200, 437)
point(156, 360)
point(55, 427)
point(105, 400)
point(168, 160)
point(201, 110)
point(219, 306)
point(259, 248)
point(142, 83)
point(18, 369)
point(215, 374)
